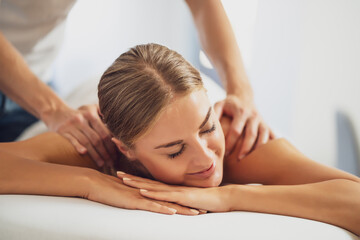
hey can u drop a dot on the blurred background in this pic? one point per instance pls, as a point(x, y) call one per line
point(302, 58)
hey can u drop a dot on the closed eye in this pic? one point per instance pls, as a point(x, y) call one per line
point(174, 155)
point(209, 130)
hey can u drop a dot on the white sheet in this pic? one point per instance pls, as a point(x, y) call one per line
point(43, 217)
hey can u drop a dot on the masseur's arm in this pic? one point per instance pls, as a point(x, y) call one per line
point(219, 43)
point(36, 166)
point(82, 127)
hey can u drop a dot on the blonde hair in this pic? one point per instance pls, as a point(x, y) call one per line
point(139, 84)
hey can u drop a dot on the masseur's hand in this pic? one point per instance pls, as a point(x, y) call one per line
point(216, 199)
point(85, 130)
point(246, 122)
point(111, 191)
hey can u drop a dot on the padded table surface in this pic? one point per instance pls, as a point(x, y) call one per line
point(44, 217)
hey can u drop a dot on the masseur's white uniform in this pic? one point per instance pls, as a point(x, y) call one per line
point(36, 29)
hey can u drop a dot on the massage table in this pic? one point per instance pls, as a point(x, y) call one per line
point(47, 217)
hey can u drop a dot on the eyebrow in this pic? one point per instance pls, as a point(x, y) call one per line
point(170, 144)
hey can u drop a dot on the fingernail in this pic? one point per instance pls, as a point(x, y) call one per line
point(242, 156)
point(202, 211)
point(172, 210)
point(194, 211)
point(143, 190)
point(83, 150)
point(100, 163)
point(120, 173)
point(126, 179)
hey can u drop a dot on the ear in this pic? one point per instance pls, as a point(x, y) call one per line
point(129, 153)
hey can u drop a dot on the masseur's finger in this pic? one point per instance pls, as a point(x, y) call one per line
point(219, 108)
point(272, 135)
point(235, 131)
point(91, 151)
point(250, 136)
point(97, 144)
point(102, 131)
point(263, 136)
point(80, 148)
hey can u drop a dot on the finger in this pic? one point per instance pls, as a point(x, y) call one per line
point(263, 136)
point(96, 142)
point(91, 151)
point(218, 108)
point(140, 179)
point(148, 205)
point(80, 148)
point(250, 136)
point(162, 196)
point(147, 185)
point(272, 134)
point(181, 209)
point(235, 131)
point(105, 135)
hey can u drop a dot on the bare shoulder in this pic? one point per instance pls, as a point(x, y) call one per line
point(48, 147)
point(278, 162)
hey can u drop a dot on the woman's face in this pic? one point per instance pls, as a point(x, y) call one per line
point(186, 145)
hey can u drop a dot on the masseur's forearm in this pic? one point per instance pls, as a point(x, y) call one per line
point(22, 176)
point(218, 41)
point(21, 85)
point(335, 201)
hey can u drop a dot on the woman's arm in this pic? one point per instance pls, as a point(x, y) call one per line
point(35, 166)
point(49, 147)
point(300, 187)
point(335, 202)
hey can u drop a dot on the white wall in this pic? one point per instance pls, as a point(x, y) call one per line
point(305, 65)
point(99, 31)
point(329, 76)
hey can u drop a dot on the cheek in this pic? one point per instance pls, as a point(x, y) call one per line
point(169, 171)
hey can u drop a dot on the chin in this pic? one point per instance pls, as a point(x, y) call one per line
point(213, 181)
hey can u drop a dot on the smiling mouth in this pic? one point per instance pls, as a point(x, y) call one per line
point(205, 173)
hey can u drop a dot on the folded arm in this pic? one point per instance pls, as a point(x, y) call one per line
point(294, 186)
point(49, 165)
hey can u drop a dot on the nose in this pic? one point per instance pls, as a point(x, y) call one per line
point(203, 155)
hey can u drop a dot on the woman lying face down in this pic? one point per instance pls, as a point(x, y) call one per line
point(156, 107)
point(154, 103)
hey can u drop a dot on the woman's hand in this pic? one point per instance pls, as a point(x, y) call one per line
point(216, 199)
point(246, 125)
point(111, 191)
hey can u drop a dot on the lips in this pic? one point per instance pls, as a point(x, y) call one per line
point(205, 173)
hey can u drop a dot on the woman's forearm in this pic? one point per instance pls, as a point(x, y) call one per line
point(335, 201)
point(22, 176)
